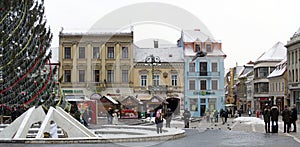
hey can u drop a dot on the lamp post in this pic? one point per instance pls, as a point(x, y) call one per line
point(153, 61)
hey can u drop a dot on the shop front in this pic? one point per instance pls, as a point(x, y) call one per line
point(154, 104)
point(105, 103)
point(131, 107)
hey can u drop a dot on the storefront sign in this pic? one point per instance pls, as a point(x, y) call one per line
point(204, 93)
point(72, 91)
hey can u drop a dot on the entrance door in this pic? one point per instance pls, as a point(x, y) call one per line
point(173, 104)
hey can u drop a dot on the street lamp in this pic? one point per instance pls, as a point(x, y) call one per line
point(153, 61)
point(199, 54)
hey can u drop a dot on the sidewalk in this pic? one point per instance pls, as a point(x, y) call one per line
point(234, 125)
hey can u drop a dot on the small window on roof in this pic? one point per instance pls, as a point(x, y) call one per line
point(170, 55)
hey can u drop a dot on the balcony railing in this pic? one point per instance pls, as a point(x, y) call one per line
point(197, 74)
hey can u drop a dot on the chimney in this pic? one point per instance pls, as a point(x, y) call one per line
point(155, 43)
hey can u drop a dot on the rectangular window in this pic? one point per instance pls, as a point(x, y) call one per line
point(67, 76)
point(203, 68)
point(81, 52)
point(96, 53)
point(110, 52)
point(194, 104)
point(192, 67)
point(214, 84)
point(81, 76)
point(214, 67)
point(203, 85)
point(67, 52)
point(192, 85)
point(263, 72)
point(125, 52)
point(156, 80)
point(144, 80)
point(174, 80)
point(96, 75)
point(110, 76)
point(125, 76)
point(208, 47)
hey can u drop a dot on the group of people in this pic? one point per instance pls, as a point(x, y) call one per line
point(211, 116)
point(159, 119)
point(289, 116)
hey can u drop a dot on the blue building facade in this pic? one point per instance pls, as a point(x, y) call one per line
point(204, 76)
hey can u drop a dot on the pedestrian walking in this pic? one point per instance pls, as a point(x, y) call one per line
point(207, 115)
point(109, 115)
point(286, 118)
point(225, 115)
point(266, 114)
point(53, 129)
point(249, 112)
point(211, 117)
point(221, 114)
point(186, 118)
point(159, 122)
point(274, 118)
point(168, 118)
point(216, 114)
point(294, 117)
point(115, 119)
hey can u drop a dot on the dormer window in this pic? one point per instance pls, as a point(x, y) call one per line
point(208, 47)
point(197, 48)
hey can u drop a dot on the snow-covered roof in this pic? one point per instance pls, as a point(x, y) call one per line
point(196, 35)
point(132, 98)
point(111, 99)
point(169, 54)
point(83, 32)
point(280, 69)
point(276, 53)
point(246, 71)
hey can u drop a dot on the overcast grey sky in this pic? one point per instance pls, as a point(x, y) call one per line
point(246, 28)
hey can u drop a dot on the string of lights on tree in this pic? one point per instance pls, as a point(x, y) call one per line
point(26, 76)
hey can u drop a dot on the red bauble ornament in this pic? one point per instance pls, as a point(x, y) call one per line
point(23, 93)
point(34, 82)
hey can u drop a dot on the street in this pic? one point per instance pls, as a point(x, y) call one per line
point(202, 133)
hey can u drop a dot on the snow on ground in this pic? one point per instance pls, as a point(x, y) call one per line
point(249, 120)
point(172, 121)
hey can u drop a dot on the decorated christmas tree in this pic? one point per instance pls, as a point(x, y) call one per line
point(26, 76)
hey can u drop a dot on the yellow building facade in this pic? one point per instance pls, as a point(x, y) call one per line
point(95, 62)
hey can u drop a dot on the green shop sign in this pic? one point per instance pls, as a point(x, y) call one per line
point(72, 91)
point(204, 93)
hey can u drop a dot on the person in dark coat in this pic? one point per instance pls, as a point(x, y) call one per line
point(159, 123)
point(286, 118)
point(294, 117)
point(186, 118)
point(266, 114)
point(15, 113)
point(168, 118)
point(225, 115)
point(221, 115)
point(274, 117)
